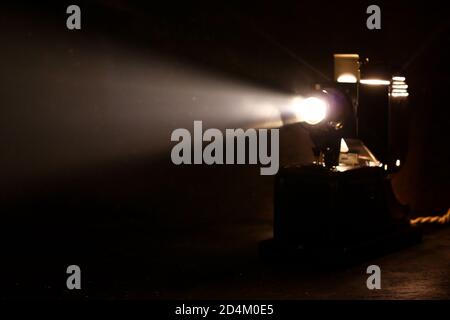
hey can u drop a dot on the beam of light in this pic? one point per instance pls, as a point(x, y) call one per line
point(347, 78)
point(375, 82)
point(432, 219)
point(110, 102)
point(397, 162)
point(398, 78)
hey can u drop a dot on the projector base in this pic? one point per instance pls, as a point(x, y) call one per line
point(271, 250)
point(333, 217)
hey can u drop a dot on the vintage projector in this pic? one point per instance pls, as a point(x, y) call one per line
point(342, 206)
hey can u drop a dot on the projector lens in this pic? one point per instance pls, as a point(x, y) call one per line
point(311, 110)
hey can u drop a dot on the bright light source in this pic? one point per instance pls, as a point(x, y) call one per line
point(400, 86)
point(346, 67)
point(375, 82)
point(344, 147)
point(311, 110)
point(347, 55)
point(347, 78)
point(385, 167)
point(397, 163)
point(400, 94)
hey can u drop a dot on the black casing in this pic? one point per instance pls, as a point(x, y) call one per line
point(317, 207)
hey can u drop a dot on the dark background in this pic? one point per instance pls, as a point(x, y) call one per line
point(86, 118)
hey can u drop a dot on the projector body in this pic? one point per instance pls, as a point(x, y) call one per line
point(316, 207)
point(328, 216)
point(342, 206)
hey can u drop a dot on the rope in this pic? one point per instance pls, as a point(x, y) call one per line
point(432, 219)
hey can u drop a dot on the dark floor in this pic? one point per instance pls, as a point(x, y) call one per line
point(419, 272)
point(216, 266)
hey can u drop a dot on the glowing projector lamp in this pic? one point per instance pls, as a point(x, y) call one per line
point(346, 68)
point(347, 78)
point(311, 110)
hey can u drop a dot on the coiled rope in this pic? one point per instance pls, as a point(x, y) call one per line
point(432, 219)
